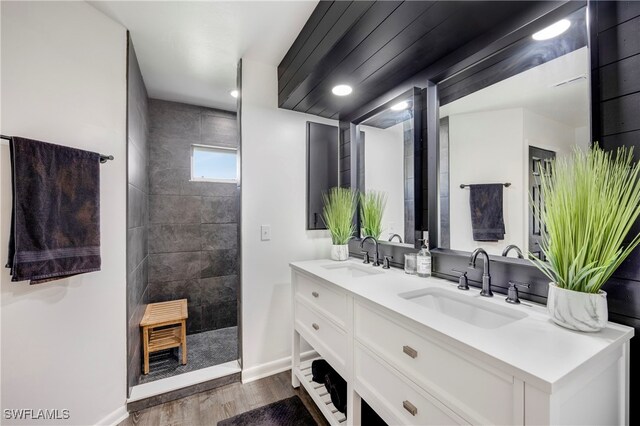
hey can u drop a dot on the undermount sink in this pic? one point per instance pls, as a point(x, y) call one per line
point(464, 308)
point(354, 270)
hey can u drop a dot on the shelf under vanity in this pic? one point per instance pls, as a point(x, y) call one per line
point(319, 394)
point(414, 364)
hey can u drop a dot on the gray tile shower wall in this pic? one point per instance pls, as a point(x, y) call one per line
point(137, 212)
point(193, 232)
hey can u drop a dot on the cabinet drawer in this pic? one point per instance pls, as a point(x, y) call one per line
point(330, 301)
point(394, 397)
point(479, 393)
point(327, 339)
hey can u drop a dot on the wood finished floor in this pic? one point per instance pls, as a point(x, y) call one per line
point(208, 408)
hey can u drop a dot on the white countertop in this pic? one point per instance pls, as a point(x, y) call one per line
point(533, 348)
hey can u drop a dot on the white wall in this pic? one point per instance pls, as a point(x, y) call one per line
point(273, 193)
point(63, 81)
point(545, 133)
point(487, 147)
point(583, 137)
point(492, 147)
point(384, 171)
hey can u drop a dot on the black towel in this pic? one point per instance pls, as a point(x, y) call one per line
point(319, 369)
point(487, 220)
point(55, 218)
point(337, 388)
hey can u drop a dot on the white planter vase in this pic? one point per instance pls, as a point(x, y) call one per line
point(576, 310)
point(340, 252)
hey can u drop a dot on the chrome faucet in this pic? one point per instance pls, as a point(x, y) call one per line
point(510, 247)
point(376, 260)
point(486, 277)
point(395, 235)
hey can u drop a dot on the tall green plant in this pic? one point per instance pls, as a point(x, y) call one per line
point(590, 204)
point(372, 205)
point(338, 211)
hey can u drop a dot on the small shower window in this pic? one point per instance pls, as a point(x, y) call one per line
point(214, 164)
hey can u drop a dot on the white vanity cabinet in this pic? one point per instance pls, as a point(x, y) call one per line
point(320, 317)
point(411, 372)
point(479, 393)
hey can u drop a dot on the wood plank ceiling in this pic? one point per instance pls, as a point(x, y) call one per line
point(375, 45)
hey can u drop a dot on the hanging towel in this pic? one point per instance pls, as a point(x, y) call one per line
point(487, 220)
point(55, 218)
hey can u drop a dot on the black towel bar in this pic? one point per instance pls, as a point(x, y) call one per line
point(464, 185)
point(103, 158)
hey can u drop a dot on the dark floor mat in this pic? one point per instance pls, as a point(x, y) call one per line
point(288, 412)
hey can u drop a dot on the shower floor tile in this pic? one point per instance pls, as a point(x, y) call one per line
point(204, 349)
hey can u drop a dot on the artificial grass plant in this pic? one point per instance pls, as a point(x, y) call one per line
point(591, 202)
point(338, 211)
point(372, 205)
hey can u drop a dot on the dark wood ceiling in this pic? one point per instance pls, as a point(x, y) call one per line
point(375, 46)
point(516, 58)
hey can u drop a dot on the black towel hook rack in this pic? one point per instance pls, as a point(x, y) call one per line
point(465, 185)
point(103, 158)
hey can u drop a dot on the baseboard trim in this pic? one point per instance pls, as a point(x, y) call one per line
point(183, 392)
point(173, 383)
point(114, 417)
point(273, 367)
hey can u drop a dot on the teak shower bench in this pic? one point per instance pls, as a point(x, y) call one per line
point(157, 333)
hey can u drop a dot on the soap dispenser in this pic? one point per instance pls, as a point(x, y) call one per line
point(423, 259)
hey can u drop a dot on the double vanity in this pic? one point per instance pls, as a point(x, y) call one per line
point(421, 351)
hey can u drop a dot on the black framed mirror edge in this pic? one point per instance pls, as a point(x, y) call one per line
point(322, 150)
point(503, 269)
point(394, 250)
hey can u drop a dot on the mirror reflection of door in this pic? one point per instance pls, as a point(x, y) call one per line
point(540, 162)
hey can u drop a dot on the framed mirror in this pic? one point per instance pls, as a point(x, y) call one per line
point(385, 152)
point(501, 123)
point(322, 169)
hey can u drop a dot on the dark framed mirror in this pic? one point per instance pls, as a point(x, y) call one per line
point(501, 125)
point(322, 169)
point(494, 126)
point(385, 151)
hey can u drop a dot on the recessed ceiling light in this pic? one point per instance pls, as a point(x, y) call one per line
point(234, 93)
point(342, 90)
point(400, 106)
point(552, 30)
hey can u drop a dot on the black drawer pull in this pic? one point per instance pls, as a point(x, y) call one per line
point(410, 351)
point(410, 407)
point(315, 326)
point(315, 294)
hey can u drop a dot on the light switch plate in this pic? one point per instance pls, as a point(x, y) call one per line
point(265, 232)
